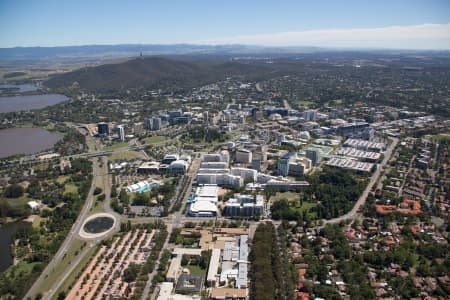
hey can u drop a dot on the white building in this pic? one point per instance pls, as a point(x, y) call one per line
point(205, 201)
point(121, 132)
point(245, 173)
point(178, 166)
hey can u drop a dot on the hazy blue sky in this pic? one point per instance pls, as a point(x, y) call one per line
point(378, 23)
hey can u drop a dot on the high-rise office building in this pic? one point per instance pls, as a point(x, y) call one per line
point(103, 129)
point(310, 115)
point(121, 132)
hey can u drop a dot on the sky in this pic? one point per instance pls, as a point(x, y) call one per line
point(400, 24)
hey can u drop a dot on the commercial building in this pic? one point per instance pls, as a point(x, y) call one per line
point(286, 185)
point(228, 294)
point(152, 123)
point(213, 268)
point(214, 165)
point(142, 186)
point(310, 115)
point(103, 129)
point(299, 166)
point(148, 123)
point(164, 292)
point(317, 152)
point(357, 129)
point(138, 128)
point(121, 132)
point(178, 166)
point(169, 158)
point(234, 262)
point(365, 145)
point(351, 164)
point(205, 201)
point(156, 123)
point(218, 176)
point(223, 156)
point(245, 173)
point(243, 156)
point(361, 155)
point(284, 161)
point(244, 206)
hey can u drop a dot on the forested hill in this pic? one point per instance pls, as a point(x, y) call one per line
point(151, 73)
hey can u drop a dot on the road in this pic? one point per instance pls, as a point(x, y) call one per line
point(362, 199)
point(400, 190)
point(173, 221)
point(286, 104)
point(73, 234)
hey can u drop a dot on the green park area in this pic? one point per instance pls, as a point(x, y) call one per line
point(157, 139)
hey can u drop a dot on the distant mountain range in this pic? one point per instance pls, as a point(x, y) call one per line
point(110, 51)
point(152, 73)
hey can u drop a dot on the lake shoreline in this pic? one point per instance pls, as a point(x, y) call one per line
point(18, 141)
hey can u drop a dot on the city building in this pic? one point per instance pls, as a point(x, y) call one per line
point(223, 156)
point(213, 268)
point(148, 123)
point(245, 173)
point(169, 158)
point(204, 202)
point(310, 115)
point(178, 166)
point(278, 185)
point(299, 166)
point(142, 186)
point(121, 132)
point(351, 164)
point(284, 161)
point(156, 123)
point(228, 294)
point(244, 206)
point(355, 130)
point(138, 128)
point(103, 129)
point(365, 145)
point(243, 156)
point(317, 152)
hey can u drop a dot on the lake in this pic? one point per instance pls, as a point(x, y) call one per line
point(26, 140)
point(19, 88)
point(18, 103)
point(7, 232)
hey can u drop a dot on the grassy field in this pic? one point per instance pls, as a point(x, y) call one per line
point(17, 202)
point(70, 188)
point(196, 270)
point(441, 137)
point(306, 206)
point(59, 269)
point(116, 146)
point(128, 155)
point(97, 207)
point(155, 139)
point(72, 277)
point(290, 196)
point(37, 221)
point(61, 179)
point(304, 103)
point(99, 182)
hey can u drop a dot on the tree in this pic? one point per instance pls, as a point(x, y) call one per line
point(14, 191)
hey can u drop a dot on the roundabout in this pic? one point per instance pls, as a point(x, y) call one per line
point(97, 225)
